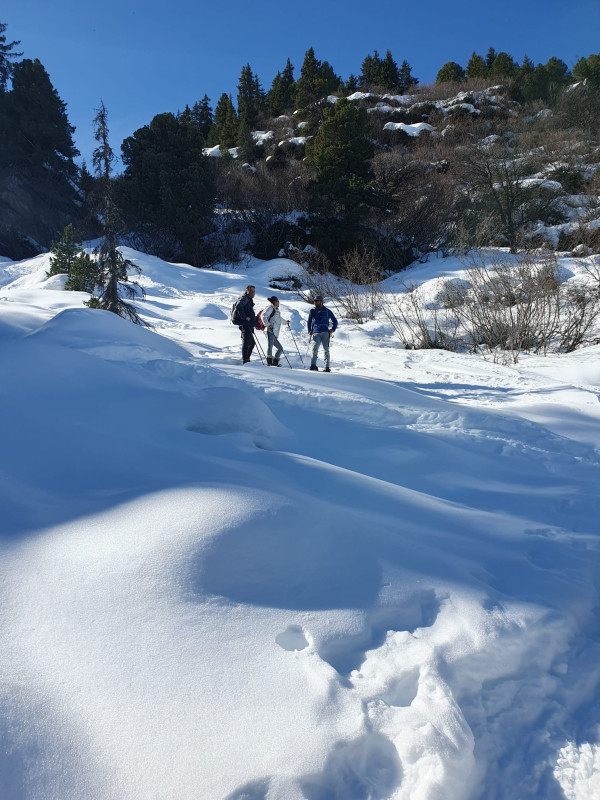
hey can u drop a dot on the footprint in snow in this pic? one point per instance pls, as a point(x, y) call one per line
point(292, 638)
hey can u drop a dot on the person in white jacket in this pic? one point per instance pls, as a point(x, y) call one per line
point(273, 319)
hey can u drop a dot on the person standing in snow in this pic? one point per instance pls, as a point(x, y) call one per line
point(320, 332)
point(245, 318)
point(273, 319)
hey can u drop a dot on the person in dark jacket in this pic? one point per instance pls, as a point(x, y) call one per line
point(318, 327)
point(244, 313)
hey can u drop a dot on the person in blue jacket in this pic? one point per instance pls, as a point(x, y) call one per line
point(318, 327)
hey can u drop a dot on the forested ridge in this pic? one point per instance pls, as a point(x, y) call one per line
point(319, 165)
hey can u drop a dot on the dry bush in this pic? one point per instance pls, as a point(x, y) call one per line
point(419, 324)
point(355, 288)
point(501, 308)
point(419, 192)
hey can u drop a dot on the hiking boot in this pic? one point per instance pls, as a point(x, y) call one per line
point(314, 367)
point(326, 369)
point(270, 361)
point(275, 362)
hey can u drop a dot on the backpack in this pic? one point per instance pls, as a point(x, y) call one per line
point(259, 321)
point(234, 316)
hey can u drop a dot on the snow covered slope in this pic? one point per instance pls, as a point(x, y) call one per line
point(245, 583)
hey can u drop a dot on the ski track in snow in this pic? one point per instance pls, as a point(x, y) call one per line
point(256, 584)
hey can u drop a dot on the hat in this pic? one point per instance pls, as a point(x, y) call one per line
point(318, 297)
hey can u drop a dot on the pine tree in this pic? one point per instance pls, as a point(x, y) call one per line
point(389, 75)
point(503, 66)
point(317, 80)
point(167, 189)
point(251, 98)
point(5, 55)
point(451, 71)
point(340, 152)
point(281, 94)
point(83, 275)
point(490, 57)
point(64, 252)
point(476, 68)
point(558, 77)
point(351, 85)
point(43, 137)
point(230, 128)
point(527, 67)
point(369, 73)
point(588, 69)
point(112, 267)
point(225, 124)
point(203, 116)
point(407, 80)
point(246, 147)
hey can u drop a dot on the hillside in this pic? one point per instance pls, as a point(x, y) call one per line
point(245, 583)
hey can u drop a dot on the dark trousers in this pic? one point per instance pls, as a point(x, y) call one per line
point(247, 342)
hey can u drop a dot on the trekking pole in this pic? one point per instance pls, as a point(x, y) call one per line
point(287, 359)
point(296, 343)
point(261, 352)
point(307, 346)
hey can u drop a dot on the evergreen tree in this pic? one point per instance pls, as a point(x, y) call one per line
point(246, 147)
point(69, 259)
point(389, 74)
point(451, 71)
point(5, 55)
point(407, 80)
point(317, 80)
point(527, 67)
point(476, 68)
point(281, 95)
point(203, 116)
point(112, 267)
point(42, 136)
point(251, 98)
point(588, 69)
point(534, 85)
point(351, 85)
point(503, 66)
point(558, 76)
point(340, 152)
point(225, 123)
point(369, 73)
point(83, 275)
point(64, 252)
point(230, 128)
point(167, 188)
point(200, 115)
point(490, 57)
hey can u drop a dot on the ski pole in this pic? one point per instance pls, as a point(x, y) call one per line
point(307, 346)
point(259, 349)
point(296, 343)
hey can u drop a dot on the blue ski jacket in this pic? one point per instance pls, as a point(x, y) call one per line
point(318, 320)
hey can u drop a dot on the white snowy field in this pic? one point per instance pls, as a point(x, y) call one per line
point(246, 583)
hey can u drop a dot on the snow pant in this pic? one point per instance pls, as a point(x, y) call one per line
point(318, 340)
point(247, 342)
point(273, 342)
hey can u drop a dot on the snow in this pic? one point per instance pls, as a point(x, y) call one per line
point(224, 582)
point(263, 137)
point(411, 130)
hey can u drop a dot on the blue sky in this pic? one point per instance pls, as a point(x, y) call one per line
point(144, 58)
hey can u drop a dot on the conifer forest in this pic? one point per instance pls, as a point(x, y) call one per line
point(318, 166)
